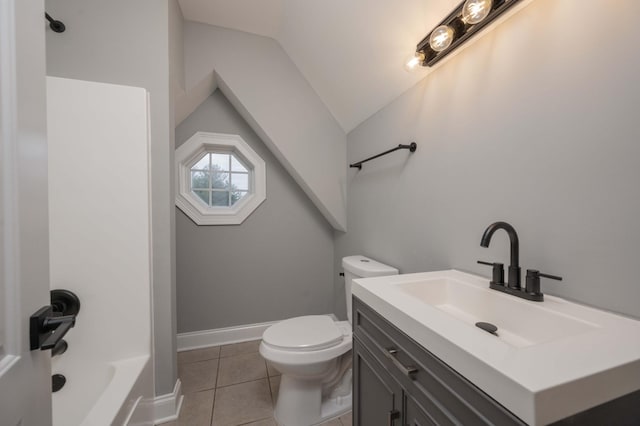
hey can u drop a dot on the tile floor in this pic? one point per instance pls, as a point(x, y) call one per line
point(230, 385)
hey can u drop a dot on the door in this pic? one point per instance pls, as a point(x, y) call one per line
point(377, 396)
point(25, 376)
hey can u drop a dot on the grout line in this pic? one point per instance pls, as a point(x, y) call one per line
point(269, 383)
point(241, 383)
point(215, 390)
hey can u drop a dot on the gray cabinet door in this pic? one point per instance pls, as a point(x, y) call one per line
point(377, 397)
point(415, 414)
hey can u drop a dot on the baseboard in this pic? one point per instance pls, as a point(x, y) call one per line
point(221, 336)
point(167, 407)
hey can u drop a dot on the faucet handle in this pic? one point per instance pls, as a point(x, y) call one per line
point(532, 285)
point(552, 277)
point(497, 276)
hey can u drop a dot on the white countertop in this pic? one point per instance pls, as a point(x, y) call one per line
point(540, 383)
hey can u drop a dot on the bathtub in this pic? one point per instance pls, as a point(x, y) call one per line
point(107, 394)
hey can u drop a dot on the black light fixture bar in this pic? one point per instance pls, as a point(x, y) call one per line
point(462, 31)
point(411, 147)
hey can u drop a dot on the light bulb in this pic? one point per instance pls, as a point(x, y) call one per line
point(415, 61)
point(441, 38)
point(475, 11)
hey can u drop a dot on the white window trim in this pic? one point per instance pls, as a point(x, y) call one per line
point(191, 151)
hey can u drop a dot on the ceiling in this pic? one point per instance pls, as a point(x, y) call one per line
point(351, 51)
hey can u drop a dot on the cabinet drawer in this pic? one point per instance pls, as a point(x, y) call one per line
point(446, 396)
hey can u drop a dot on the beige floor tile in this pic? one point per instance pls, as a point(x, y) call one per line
point(241, 368)
point(347, 419)
point(242, 403)
point(196, 409)
point(265, 422)
point(274, 383)
point(198, 376)
point(167, 424)
point(198, 355)
point(271, 370)
point(239, 348)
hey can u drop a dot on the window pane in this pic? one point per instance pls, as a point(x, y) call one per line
point(203, 195)
point(240, 181)
point(236, 166)
point(220, 198)
point(202, 164)
point(199, 180)
point(220, 180)
point(220, 162)
point(237, 196)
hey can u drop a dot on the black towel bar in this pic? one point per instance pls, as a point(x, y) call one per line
point(411, 147)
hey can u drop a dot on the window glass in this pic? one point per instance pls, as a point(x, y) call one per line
point(219, 179)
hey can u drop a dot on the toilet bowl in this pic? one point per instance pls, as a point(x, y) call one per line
point(313, 353)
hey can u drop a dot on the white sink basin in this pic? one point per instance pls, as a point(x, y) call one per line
point(549, 360)
point(519, 324)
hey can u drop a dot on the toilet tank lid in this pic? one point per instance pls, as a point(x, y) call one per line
point(364, 267)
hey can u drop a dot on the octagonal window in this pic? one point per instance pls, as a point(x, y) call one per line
point(220, 179)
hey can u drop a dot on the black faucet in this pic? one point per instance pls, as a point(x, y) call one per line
point(514, 267)
point(532, 290)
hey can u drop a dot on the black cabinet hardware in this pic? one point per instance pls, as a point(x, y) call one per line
point(409, 371)
point(393, 416)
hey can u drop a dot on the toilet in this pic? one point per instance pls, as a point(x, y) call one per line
point(313, 353)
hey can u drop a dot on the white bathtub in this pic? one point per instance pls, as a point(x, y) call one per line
point(107, 394)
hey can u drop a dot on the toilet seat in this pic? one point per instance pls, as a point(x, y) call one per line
point(306, 333)
point(306, 340)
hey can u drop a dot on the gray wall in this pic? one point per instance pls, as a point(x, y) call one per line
point(278, 263)
point(125, 42)
point(535, 124)
point(280, 106)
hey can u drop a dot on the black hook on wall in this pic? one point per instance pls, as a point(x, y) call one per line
point(56, 26)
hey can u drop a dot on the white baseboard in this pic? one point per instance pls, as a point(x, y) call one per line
point(167, 407)
point(221, 336)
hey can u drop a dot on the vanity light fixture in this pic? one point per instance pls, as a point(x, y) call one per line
point(468, 18)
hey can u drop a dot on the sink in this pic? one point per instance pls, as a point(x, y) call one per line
point(520, 323)
point(549, 360)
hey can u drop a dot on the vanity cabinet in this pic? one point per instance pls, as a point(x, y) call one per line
point(397, 382)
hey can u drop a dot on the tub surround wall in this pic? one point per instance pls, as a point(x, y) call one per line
point(100, 243)
point(127, 43)
point(273, 96)
point(536, 124)
point(277, 264)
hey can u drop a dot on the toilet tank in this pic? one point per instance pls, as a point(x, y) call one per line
point(362, 267)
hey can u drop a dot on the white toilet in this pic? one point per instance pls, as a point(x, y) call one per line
point(313, 353)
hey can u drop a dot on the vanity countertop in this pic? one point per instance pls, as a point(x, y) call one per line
point(550, 360)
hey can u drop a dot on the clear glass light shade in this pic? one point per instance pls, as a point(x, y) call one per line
point(414, 62)
point(475, 11)
point(441, 38)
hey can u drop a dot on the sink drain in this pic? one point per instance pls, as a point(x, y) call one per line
point(488, 327)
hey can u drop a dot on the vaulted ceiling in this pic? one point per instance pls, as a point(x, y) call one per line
point(351, 52)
